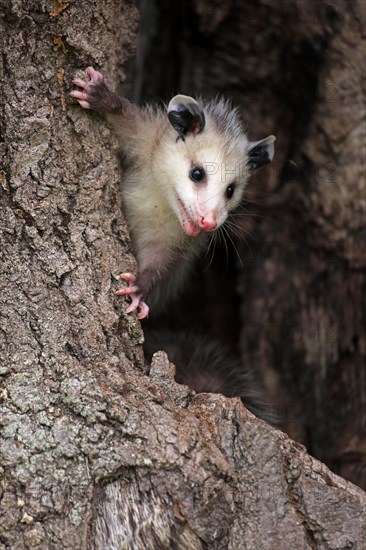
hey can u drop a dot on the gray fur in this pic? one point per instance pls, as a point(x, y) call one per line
point(166, 207)
point(207, 366)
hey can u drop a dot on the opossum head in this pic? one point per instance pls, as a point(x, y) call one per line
point(205, 162)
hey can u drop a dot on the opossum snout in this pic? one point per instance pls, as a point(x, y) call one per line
point(208, 222)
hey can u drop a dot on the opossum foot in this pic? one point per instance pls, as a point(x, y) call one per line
point(82, 96)
point(132, 290)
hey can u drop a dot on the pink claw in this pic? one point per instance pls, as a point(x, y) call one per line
point(127, 290)
point(129, 277)
point(133, 291)
point(144, 310)
point(81, 98)
point(95, 76)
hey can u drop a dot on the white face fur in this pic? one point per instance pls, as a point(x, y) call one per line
point(203, 161)
point(204, 178)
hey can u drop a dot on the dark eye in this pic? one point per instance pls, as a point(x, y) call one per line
point(230, 191)
point(197, 174)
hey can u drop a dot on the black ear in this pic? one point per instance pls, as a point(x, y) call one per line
point(260, 152)
point(186, 116)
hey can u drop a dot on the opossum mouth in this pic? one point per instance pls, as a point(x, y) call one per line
point(189, 226)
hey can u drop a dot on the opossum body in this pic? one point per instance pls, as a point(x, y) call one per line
point(207, 366)
point(186, 170)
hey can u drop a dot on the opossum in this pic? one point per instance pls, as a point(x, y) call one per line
point(206, 365)
point(186, 170)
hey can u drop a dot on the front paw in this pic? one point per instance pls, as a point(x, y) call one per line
point(133, 291)
point(86, 97)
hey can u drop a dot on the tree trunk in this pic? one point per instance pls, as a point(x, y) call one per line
point(295, 303)
point(95, 453)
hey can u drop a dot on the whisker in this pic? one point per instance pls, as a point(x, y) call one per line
point(211, 246)
point(239, 228)
point(233, 244)
point(244, 215)
point(222, 230)
point(239, 233)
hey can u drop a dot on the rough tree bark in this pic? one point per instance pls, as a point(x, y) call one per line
point(296, 301)
point(95, 453)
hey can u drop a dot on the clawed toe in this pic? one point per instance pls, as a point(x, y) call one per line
point(138, 305)
point(129, 277)
point(81, 84)
point(127, 290)
point(132, 290)
point(81, 98)
point(95, 76)
point(134, 304)
point(144, 310)
point(84, 94)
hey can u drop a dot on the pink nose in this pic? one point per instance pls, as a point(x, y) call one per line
point(208, 222)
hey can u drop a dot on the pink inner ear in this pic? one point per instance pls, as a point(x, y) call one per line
point(186, 116)
point(195, 128)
